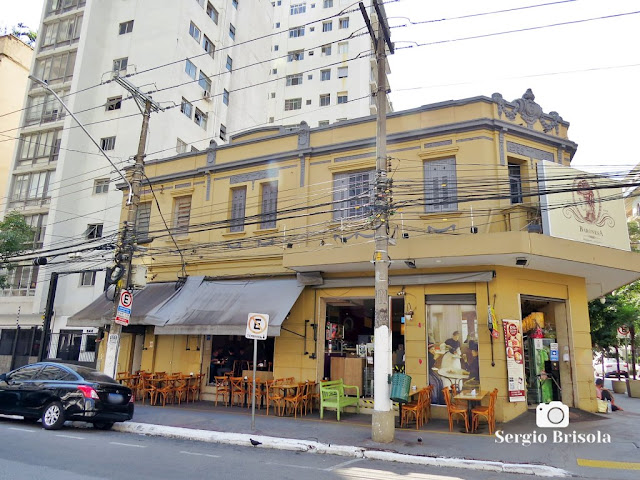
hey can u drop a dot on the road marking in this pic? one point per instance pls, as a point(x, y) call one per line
point(70, 436)
point(343, 464)
point(292, 466)
point(201, 454)
point(21, 429)
point(127, 445)
point(584, 462)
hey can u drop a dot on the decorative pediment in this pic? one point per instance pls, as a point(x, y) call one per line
point(528, 110)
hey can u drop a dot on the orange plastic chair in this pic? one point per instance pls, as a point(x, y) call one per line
point(453, 410)
point(487, 412)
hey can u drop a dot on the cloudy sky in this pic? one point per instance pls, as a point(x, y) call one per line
point(578, 56)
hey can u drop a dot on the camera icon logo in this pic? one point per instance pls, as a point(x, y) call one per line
point(552, 415)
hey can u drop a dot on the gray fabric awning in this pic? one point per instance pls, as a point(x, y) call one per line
point(100, 311)
point(221, 307)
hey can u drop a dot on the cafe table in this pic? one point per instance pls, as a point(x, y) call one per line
point(456, 377)
point(473, 398)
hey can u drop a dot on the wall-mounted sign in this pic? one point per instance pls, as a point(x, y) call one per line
point(515, 360)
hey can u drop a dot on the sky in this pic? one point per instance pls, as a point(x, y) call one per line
point(586, 70)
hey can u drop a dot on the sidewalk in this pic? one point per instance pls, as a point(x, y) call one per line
point(433, 444)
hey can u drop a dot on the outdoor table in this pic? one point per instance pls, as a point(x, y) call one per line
point(472, 401)
point(456, 377)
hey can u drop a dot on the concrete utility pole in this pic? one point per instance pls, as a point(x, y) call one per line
point(124, 249)
point(383, 419)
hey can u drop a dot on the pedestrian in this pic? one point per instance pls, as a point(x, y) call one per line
point(604, 394)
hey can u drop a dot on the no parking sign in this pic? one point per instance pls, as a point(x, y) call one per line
point(257, 326)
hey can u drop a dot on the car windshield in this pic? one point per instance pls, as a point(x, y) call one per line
point(91, 375)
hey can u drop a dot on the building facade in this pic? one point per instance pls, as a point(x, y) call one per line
point(208, 63)
point(489, 226)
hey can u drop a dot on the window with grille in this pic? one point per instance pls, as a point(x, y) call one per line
point(294, 79)
point(325, 75)
point(297, 8)
point(293, 104)
point(194, 32)
point(344, 22)
point(126, 27)
point(186, 107)
point(343, 72)
point(212, 12)
point(181, 214)
point(120, 64)
point(325, 51)
point(441, 190)
point(101, 185)
point(114, 103)
point(190, 69)
point(108, 143)
point(87, 279)
point(232, 31)
point(269, 205)
point(325, 100)
point(295, 56)
point(143, 220)
point(353, 194)
point(238, 205)
point(515, 183)
point(327, 26)
point(200, 118)
point(94, 230)
point(296, 32)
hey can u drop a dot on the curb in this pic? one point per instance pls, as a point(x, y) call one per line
point(243, 439)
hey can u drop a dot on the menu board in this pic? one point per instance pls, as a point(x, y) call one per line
point(515, 360)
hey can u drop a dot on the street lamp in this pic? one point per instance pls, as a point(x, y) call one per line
point(46, 86)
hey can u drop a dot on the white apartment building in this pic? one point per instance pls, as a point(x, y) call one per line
point(217, 67)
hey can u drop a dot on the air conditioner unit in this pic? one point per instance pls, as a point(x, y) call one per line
point(206, 95)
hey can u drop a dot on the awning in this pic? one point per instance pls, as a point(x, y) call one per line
point(418, 279)
point(24, 320)
point(100, 311)
point(221, 307)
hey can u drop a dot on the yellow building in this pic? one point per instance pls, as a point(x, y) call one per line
point(486, 212)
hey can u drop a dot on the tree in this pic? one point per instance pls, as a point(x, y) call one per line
point(16, 236)
point(634, 235)
point(21, 30)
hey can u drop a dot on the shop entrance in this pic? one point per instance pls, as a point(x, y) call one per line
point(542, 353)
point(348, 340)
point(234, 353)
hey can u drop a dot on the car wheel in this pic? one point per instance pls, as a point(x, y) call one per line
point(103, 425)
point(53, 416)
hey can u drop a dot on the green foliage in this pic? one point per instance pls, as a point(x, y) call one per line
point(21, 30)
point(16, 236)
point(634, 235)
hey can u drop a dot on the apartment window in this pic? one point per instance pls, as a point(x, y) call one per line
point(225, 96)
point(274, 71)
point(114, 103)
point(101, 185)
point(441, 191)
point(120, 64)
point(297, 8)
point(327, 26)
point(238, 205)
point(271, 119)
point(276, 48)
point(229, 63)
point(269, 205)
point(234, 3)
point(293, 104)
point(208, 46)
point(325, 51)
point(327, 4)
point(295, 55)
point(277, 24)
point(232, 31)
point(343, 97)
point(194, 149)
point(44, 108)
point(143, 220)
point(343, 72)
point(273, 95)
point(325, 75)
point(190, 69)
point(223, 132)
point(294, 79)
point(94, 230)
point(325, 99)
point(343, 47)
point(87, 279)
point(181, 214)
point(308, 102)
point(344, 22)
point(62, 32)
point(194, 32)
point(204, 82)
point(323, 123)
point(353, 194)
point(212, 12)
point(186, 107)
point(56, 68)
point(126, 27)
point(200, 118)
point(39, 225)
point(181, 146)
point(108, 143)
point(40, 147)
point(296, 32)
point(22, 282)
point(515, 183)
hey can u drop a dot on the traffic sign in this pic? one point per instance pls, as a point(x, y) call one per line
point(257, 326)
point(123, 313)
point(623, 331)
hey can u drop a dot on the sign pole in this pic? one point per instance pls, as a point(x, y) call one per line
point(257, 327)
point(253, 388)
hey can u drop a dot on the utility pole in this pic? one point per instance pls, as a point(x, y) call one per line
point(125, 247)
point(383, 419)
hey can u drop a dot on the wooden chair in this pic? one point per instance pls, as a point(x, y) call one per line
point(414, 409)
point(222, 389)
point(261, 393)
point(166, 390)
point(147, 388)
point(238, 390)
point(488, 412)
point(295, 401)
point(181, 388)
point(194, 387)
point(312, 396)
point(454, 409)
point(426, 407)
point(275, 395)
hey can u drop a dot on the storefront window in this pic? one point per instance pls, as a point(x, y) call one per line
point(452, 343)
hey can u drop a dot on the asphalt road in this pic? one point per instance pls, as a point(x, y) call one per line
point(78, 453)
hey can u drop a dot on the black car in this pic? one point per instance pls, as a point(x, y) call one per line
point(55, 392)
